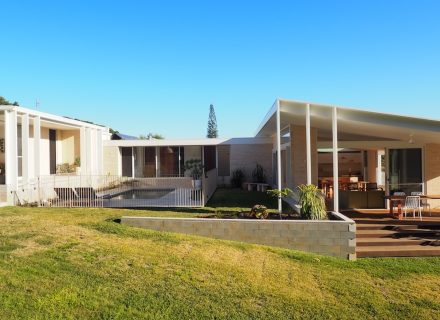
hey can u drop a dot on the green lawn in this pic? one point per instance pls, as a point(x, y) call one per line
point(79, 264)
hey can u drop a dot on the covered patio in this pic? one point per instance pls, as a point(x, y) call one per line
point(358, 158)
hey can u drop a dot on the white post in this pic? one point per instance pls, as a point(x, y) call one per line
point(99, 151)
point(37, 140)
point(83, 150)
point(133, 168)
point(11, 150)
point(308, 146)
point(335, 160)
point(279, 173)
point(88, 144)
point(156, 159)
point(25, 147)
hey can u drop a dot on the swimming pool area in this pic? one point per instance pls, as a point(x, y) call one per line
point(146, 194)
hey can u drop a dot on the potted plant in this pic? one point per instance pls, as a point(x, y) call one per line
point(195, 167)
point(77, 165)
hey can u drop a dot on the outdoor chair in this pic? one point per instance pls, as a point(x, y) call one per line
point(399, 194)
point(65, 193)
point(65, 197)
point(412, 203)
point(88, 197)
point(86, 193)
point(423, 202)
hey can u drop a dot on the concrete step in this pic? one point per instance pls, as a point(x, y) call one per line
point(398, 251)
point(397, 227)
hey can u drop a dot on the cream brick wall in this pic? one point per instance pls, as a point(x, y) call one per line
point(299, 155)
point(432, 171)
point(111, 160)
point(70, 145)
point(333, 238)
point(246, 156)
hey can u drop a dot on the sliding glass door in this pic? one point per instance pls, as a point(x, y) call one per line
point(405, 171)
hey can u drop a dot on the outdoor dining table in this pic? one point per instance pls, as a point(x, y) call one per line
point(399, 201)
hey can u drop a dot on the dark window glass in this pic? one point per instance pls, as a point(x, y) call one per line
point(150, 162)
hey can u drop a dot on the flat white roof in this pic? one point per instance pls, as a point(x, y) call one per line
point(53, 119)
point(185, 142)
point(353, 124)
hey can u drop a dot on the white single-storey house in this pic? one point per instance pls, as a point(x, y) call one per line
point(36, 145)
point(356, 157)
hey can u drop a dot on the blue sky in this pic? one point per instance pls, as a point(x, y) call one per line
point(143, 66)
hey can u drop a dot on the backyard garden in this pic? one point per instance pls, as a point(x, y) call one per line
point(80, 264)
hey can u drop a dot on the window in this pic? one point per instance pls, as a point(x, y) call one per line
point(209, 158)
point(150, 162)
point(405, 170)
point(224, 161)
point(171, 161)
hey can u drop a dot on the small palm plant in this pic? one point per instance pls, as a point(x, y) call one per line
point(312, 202)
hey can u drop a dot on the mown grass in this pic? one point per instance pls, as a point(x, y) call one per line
point(79, 264)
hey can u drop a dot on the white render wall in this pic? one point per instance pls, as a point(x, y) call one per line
point(36, 152)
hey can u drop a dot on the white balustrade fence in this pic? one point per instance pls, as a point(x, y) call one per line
point(109, 191)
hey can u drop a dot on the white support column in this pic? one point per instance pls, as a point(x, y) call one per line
point(25, 147)
point(37, 140)
point(133, 167)
point(83, 150)
point(88, 143)
point(335, 160)
point(279, 173)
point(308, 146)
point(11, 150)
point(157, 160)
point(99, 152)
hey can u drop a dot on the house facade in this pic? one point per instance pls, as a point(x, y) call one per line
point(36, 145)
point(356, 156)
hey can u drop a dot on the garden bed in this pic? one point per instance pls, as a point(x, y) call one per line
point(334, 237)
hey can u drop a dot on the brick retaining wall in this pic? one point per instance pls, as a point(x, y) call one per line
point(333, 237)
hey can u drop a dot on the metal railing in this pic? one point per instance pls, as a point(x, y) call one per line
point(109, 191)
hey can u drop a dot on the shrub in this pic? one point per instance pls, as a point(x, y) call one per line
point(237, 178)
point(258, 174)
point(259, 212)
point(275, 193)
point(65, 168)
point(195, 167)
point(312, 203)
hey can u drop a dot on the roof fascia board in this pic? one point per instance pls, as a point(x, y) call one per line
point(51, 117)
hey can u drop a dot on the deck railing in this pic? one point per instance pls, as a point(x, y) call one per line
point(109, 191)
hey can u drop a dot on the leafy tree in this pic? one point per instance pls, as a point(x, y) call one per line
point(4, 102)
point(212, 123)
point(151, 136)
point(112, 131)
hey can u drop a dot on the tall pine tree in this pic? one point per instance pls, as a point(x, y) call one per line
point(212, 123)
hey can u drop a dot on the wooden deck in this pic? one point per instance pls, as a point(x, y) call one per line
point(379, 235)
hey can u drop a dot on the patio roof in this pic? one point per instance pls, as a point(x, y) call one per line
point(186, 142)
point(353, 124)
point(53, 121)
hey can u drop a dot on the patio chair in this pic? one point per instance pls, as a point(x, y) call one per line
point(423, 202)
point(412, 203)
point(88, 197)
point(86, 193)
point(66, 197)
point(65, 193)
